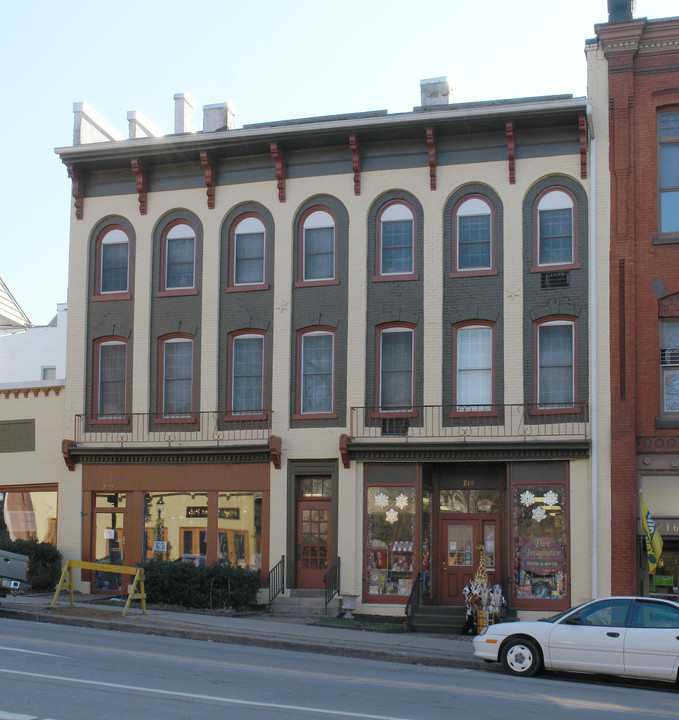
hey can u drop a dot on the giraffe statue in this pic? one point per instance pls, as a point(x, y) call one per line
point(481, 576)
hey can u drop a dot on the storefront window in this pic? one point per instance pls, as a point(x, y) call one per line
point(176, 526)
point(469, 501)
point(239, 526)
point(29, 515)
point(391, 560)
point(539, 541)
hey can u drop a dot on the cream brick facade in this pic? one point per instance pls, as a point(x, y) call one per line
point(550, 154)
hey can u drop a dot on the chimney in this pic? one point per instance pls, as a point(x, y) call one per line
point(90, 127)
point(434, 91)
point(218, 117)
point(140, 126)
point(183, 113)
point(621, 10)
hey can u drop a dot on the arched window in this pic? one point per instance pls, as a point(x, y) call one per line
point(176, 378)
point(113, 260)
point(555, 229)
point(110, 379)
point(556, 373)
point(474, 367)
point(249, 252)
point(316, 249)
point(396, 240)
point(246, 373)
point(316, 353)
point(473, 234)
point(178, 256)
point(396, 346)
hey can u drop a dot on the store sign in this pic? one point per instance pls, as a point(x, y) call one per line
point(224, 513)
point(541, 555)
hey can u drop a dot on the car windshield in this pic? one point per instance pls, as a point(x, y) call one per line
point(558, 616)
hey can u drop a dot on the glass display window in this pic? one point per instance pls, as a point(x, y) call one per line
point(29, 515)
point(391, 560)
point(176, 526)
point(239, 529)
point(540, 542)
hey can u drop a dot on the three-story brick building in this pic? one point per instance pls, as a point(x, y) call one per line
point(364, 337)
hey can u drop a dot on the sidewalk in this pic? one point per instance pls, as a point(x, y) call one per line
point(259, 630)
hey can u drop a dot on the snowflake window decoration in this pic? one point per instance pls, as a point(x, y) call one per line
point(391, 516)
point(539, 514)
point(381, 500)
point(401, 501)
point(551, 498)
point(527, 498)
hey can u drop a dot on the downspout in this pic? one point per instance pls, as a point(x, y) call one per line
point(593, 356)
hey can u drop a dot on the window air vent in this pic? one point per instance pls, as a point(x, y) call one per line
point(395, 426)
point(551, 280)
point(669, 356)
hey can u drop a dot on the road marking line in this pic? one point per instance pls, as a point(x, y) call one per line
point(593, 704)
point(29, 652)
point(191, 696)
point(14, 716)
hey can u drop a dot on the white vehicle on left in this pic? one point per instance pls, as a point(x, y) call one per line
point(627, 636)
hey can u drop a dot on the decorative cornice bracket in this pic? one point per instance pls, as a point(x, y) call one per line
point(511, 152)
point(344, 450)
point(66, 446)
point(77, 189)
point(279, 163)
point(582, 124)
point(208, 164)
point(275, 450)
point(356, 163)
point(432, 158)
point(140, 175)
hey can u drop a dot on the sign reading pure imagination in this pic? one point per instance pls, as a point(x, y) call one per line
point(541, 555)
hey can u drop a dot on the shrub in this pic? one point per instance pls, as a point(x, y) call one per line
point(44, 563)
point(217, 587)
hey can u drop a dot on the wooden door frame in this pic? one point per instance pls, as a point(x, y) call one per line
point(477, 520)
point(300, 504)
point(308, 468)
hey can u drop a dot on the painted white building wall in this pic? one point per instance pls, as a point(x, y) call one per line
point(25, 351)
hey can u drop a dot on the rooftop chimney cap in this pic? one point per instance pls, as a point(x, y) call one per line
point(621, 10)
point(435, 91)
point(183, 113)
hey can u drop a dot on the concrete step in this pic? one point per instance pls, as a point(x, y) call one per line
point(444, 619)
point(304, 603)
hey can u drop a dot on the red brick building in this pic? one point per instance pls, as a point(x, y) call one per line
point(643, 112)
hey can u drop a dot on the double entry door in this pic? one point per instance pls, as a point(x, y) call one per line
point(459, 554)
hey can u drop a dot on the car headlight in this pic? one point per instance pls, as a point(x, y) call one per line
point(484, 631)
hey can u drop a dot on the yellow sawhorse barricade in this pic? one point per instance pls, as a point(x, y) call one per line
point(137, 591)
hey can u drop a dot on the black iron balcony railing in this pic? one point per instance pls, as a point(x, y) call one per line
point(151, 428)
point(472, 422)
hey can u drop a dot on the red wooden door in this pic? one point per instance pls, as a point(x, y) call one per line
point(459, 555)
point(313, 541)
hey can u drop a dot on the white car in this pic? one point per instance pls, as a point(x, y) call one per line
point(630, 636)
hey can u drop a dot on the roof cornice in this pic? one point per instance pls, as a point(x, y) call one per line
point(194, 143)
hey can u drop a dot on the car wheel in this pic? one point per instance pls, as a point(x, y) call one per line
point(521, 657)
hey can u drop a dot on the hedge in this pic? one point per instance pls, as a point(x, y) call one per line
point(44, 562)
point(215, 587)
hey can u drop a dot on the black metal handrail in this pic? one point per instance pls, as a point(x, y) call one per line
point(414, 600)
point(331, 581)
point(276, 579)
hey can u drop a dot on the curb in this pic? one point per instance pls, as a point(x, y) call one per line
point(250, 639)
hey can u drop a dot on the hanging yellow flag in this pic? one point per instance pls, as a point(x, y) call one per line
point(652, 538)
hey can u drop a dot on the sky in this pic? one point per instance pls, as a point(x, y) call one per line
point(274, 60)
